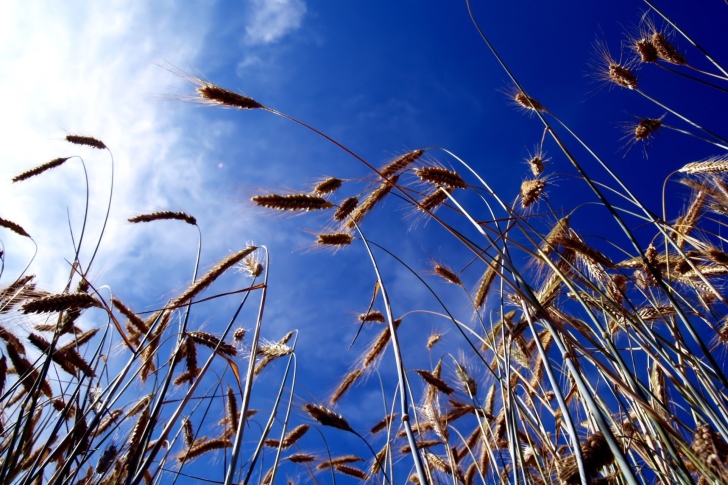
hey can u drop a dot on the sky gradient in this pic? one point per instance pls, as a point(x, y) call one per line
point(383, 78)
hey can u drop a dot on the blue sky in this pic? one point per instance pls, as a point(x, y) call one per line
point(383, 78)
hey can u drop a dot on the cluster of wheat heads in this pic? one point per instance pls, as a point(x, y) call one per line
point(94, 392)
point(601, 353)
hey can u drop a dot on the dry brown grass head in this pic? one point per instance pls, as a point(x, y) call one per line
point(433, 339)
point(16, 228)
point(216, 95)
point(335, 239)
point(396, 166)
point(612, 71)
point(372, 316)
point(441, 176)
point(346, 208)
point(526, 102)
point(292, 202)
point(447, 274)
point(532, 191)
point(646, 50)
point(212, 342)
point(715, 165)
point(164, 215)
point(86, 140)
point(435, 199)
point(327, 417)
point(646, 128)
point(40, 169)
point(376, 196)
point(60, 302)
point(666, 51)
point(384, 423)
point(346, 384)
point(328, 186)
point(301, 458)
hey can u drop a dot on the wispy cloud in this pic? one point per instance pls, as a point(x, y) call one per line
point(92, 70)
point(270, 20)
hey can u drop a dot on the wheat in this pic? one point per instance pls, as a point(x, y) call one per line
point(433, 339)
point(61, 302)
point(272, 443)
point(595, 453)
point(375, 197)
point(232, 408)
point(384, 423)
point(16, 292)
point(466, 380)
point(335, 239)
point(379, 458)
point(164, 215)
point(293, 202)
point(187, 432)
point(441, 464)
point(3, 372)
point(296, 434)
point(469, 478)
point(134, 319)
point(560, 229)
point(372, 316)
point(400, 163)
point(536, 164)
point(328, 186)
point(57, 162)
point(209, 340)
point(458, 411)
point(79, 339)
point(421, 444)
point(204, 447)
point(351, 471)
point(711, 449)
point(106, 423)
point(11, 340)
point(301, 458)
point(199, 285)
point(379, 344)
point(573, 243)
point(441, 176)
point(239, 335)
point(448, 274)
point(140, 405)
point(327, 417)
point(439, 384)
point(13, 227)
point(106, 459)
point(346, 208)
point(527, 102)
point(434, 200)
point(214, 94)
point(484, 287)
point(712, 165)
point(531, 191)
point(646, 128)
point(685, 224)
point(646, 50)
point(346, 384)
point(622, 76)
point(666, 51)
point(86, 140)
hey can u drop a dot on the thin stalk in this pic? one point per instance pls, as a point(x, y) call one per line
point(249, 376)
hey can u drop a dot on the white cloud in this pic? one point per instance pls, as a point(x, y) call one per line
point(91, 69)
point(272, 19)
